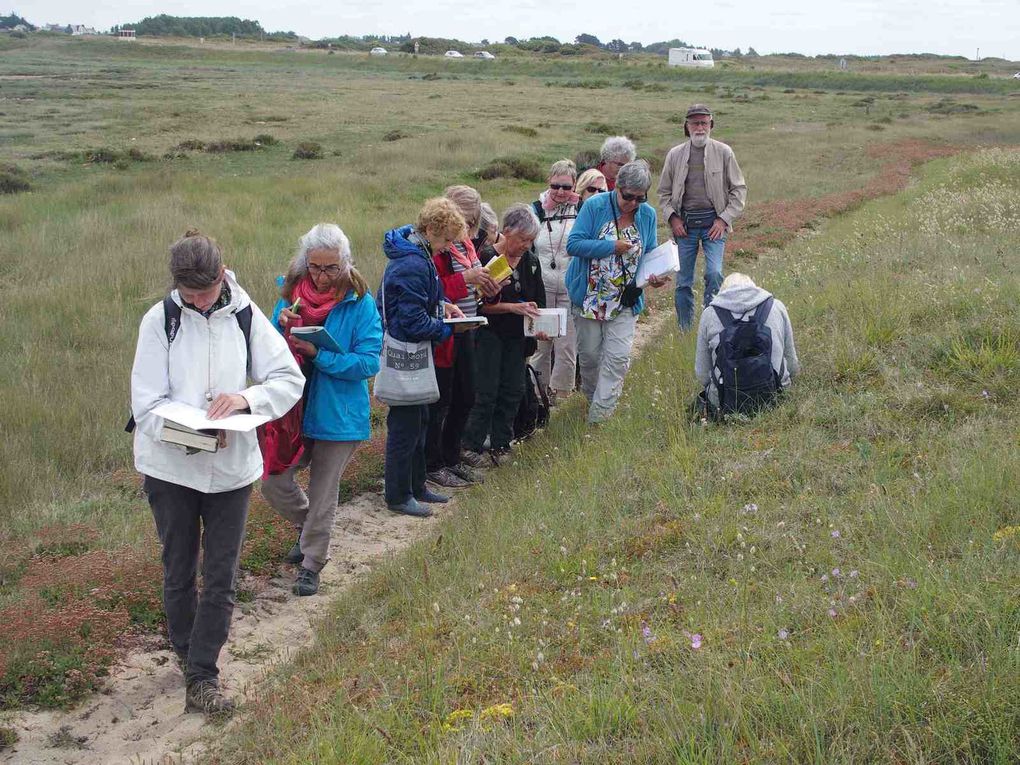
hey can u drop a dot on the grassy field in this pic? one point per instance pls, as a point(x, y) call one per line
point(833, 582)
point(110, 138)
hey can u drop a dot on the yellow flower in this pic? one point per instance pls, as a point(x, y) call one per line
point(497, 712)
point(454, 721)
point(1007, 532)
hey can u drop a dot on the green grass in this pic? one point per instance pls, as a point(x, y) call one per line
point(837, 556)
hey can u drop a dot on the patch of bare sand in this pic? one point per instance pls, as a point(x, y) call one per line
point(139, 715)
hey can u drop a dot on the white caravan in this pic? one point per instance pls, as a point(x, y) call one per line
point(698, 57)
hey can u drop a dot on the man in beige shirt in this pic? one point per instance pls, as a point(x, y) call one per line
point(701, 193)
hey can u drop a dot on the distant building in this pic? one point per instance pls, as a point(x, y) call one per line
point(126, 34)
point(56, 28)
point(81, 29)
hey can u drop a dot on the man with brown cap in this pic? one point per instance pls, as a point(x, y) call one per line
point(701, 193)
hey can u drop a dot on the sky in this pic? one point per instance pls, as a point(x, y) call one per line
point(811, 27)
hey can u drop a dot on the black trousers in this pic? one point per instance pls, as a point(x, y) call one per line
point(500, 365)
point(405, 453)
point(185, 519)
point(449, 415)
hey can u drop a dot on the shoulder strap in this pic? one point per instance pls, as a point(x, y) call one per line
point(762, 314)
point(244, 322)
point(171, 318)
point(725, 316)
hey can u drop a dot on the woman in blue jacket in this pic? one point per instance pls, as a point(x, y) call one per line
point(611, 233)
point(328, 292)
point(413, 307)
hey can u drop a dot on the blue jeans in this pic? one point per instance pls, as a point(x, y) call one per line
point(688, 247)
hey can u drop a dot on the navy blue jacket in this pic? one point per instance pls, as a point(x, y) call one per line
point(413, 292)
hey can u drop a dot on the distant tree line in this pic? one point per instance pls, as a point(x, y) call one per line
point(13, 20)
point(203, 26)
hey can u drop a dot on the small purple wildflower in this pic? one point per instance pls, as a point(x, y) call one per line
point(835, 534)
point(836, 572)
point(832, 613)
point(784, 634)
point(695, 641)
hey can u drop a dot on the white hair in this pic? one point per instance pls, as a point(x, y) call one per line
point(325, 236)
point(617, 148)
point(520, 219)
point(737, 279)
point(634, 175)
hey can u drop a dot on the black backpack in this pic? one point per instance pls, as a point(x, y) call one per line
point(743, 370)
point(533, 413)
point(172, 325)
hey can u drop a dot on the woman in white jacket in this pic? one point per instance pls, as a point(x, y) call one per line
point(198, 349)
point(555, 361)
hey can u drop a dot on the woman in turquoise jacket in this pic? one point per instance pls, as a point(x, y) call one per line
point(322, 288)
point(611, 234)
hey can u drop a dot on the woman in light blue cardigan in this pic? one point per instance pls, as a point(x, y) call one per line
point(611, 234)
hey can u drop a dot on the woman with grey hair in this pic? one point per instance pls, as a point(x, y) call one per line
point(610, 235)
point(501, 347)
point(322, 288)
point(616, 152)
point(488, 227)
point(556, 209)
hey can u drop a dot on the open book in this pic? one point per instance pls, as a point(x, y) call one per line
point(471, 321)
point(498, 268)
point(661, 261)
point(317, 336)
point(551, 321)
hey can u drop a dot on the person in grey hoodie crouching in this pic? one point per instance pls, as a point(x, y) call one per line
point(740, 300)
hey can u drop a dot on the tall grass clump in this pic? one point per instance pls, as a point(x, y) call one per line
point(832, 581)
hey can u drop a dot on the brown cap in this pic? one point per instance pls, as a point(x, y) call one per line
point(697, 109)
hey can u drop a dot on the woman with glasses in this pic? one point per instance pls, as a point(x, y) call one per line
point(322, 288)
point(589, 183)
point(555, 361)
point(501, 347)
point(616, 152)
point(465, 283)
point(611, 233)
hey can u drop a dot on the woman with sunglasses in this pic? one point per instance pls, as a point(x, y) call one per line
point(322, 288)
point(501, 348)
point(611, 233)
point(589, 183)
point(556, 208)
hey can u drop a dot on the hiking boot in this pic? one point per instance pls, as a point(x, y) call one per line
point(501, 456)
point(430, 496)
point(206, 697)
point(445, 477)
point(295, 555)
point(476, 459)
point(306, 583)
point(468, 473)
point(411, 507)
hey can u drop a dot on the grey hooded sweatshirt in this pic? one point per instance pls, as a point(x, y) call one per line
point(744, 300)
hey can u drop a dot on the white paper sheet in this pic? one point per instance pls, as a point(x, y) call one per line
point(552, 321)
point(193, 417)
point(663, 260)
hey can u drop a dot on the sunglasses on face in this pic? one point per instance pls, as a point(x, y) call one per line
point(639, 198)
point(594, 189)
point(560, 186)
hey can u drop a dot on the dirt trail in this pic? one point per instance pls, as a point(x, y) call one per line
point(139, 715)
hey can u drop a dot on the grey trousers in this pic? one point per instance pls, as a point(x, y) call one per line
point(313, 512)
point(185, 518)
point(603, 351)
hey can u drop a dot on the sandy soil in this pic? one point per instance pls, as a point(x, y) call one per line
point(139, 715)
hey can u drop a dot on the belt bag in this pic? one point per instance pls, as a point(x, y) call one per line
point(698, 218)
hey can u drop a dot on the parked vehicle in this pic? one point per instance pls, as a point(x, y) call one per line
point(484, 55)
point(453, 54)
point(377, 51)
point(695, 57)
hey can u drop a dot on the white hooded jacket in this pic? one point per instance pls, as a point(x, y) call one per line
point(744, 300)
point(208, 355)
point(551, 243)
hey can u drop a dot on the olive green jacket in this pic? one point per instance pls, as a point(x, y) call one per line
point(724, 182)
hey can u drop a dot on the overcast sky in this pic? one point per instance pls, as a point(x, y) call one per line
point(955, 27)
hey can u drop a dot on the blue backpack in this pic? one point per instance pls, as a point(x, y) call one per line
point(743, 370)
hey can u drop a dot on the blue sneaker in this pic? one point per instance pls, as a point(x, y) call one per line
point(412, 507)
point(430, 496)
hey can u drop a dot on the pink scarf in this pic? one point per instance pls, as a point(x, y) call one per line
point(315, 306)
point(549, 205)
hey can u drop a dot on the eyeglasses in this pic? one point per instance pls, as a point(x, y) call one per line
point(560, 186)
point(639, 198)
point(332, 270)
point(594, 189)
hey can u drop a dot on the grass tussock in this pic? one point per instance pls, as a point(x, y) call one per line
point(512, 167)
point(13, 180)
point(308, 150)
point(227, 145)
point(395, 135)
point(524, 130)
point(783, 589)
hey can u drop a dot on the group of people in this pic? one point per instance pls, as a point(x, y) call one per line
point(577, 247)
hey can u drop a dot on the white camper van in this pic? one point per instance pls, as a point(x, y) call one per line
point(698, 57)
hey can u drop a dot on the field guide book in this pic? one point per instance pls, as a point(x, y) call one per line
point(317, 336)
point(175, 433)
point(194, 418)
point(470, 321)
point(664, 260)
point(551, 321)
point(499, 268)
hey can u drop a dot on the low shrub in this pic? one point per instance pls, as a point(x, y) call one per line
point(395, 135)
point(192, 144)
point(264, 139)
point(235, 144)
point(586, 159)
point(307, 150)
point(604, 128)
point(512, 167)
point(13, 180)
point(949, 106)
